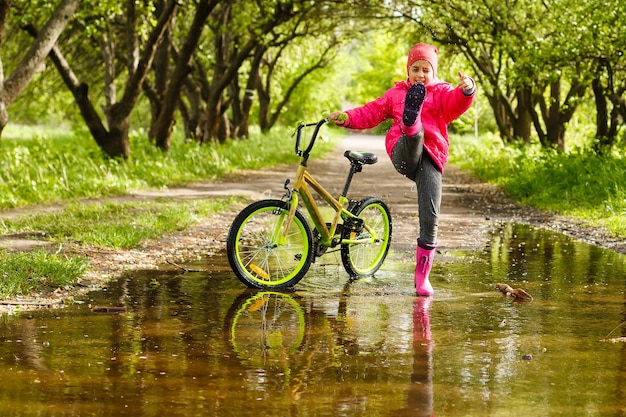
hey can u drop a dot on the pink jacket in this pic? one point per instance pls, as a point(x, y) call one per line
point(443, 104)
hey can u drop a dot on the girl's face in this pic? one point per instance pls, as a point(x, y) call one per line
point(421, 72)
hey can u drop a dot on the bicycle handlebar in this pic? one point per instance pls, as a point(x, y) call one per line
point(305, 153)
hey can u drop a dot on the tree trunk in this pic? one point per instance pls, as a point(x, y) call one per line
point(155, 92)
point(190, 109)
point(264, 108)
point(602, 115)
point(211, 117)
point(119, 114)
point(501, 114)
point(80, 91)
point(556, 113)
point(32, 61)
point(245, 105)
point(114, 142)
point(163, 125)
point(606, 126)
point(523, 121)
point(118, 143)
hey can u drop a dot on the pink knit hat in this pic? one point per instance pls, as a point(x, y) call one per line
point(423, 51)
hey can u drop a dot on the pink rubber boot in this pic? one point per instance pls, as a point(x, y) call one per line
point(424, 262)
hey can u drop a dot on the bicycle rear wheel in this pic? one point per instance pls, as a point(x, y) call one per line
point(366, 259)
point(255, 253)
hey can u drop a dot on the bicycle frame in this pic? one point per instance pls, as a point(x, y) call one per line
point(302, 185)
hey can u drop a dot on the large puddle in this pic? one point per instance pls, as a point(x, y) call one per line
point(200, 344)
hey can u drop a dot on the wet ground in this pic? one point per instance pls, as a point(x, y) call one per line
point(200, 344)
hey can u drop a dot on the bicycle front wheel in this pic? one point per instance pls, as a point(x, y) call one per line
point(364, 259)
point(262, 254)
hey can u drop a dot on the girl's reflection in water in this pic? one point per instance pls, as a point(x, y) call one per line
point(420, 392)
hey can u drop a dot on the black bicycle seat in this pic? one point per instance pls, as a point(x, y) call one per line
point(366, 158)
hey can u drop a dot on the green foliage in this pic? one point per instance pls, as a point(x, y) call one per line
point(375, 66)
point(318, 91)
point(31, 272)
point(508, 45)
point(549, 51)
point(578, 184)
point(61, 166)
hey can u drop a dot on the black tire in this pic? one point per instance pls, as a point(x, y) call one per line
point(253, 253)
point(366, 259)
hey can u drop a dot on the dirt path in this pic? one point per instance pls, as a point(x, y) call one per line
point(470, 210)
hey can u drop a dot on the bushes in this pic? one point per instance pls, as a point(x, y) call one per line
point(578, 184)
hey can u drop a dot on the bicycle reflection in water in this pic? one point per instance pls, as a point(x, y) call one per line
point(265, 328)
point(289, 346)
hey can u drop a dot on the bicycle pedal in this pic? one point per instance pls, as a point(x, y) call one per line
point(352, 227)
point(353, 224)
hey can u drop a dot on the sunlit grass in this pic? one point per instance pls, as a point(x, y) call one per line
point(105, 225)
point(116, 225)
point(42, 166)
point(578, 184)
point(32, 272)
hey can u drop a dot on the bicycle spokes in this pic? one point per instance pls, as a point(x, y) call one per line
point(262, 253)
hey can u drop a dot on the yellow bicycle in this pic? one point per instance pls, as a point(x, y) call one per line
point(272, 244)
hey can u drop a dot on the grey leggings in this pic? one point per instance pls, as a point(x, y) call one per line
point(410, 160)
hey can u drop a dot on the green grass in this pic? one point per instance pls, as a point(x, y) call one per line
point(56, 166)
point(110, 225)
point(578, 184)
point(116, 225)
point(33, 272)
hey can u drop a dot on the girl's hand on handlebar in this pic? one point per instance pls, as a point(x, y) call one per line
point(338, 117)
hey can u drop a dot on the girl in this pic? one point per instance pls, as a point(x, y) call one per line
point(421, 108)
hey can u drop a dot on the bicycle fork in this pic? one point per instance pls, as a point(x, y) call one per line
point(279, 236)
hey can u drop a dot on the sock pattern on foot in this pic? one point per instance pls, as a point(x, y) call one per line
point(413, 103)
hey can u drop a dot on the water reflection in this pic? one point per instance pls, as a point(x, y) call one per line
point(266, 331)
point(200, 344)
point(311, 355)
point(420, 400)
point(544, 357)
